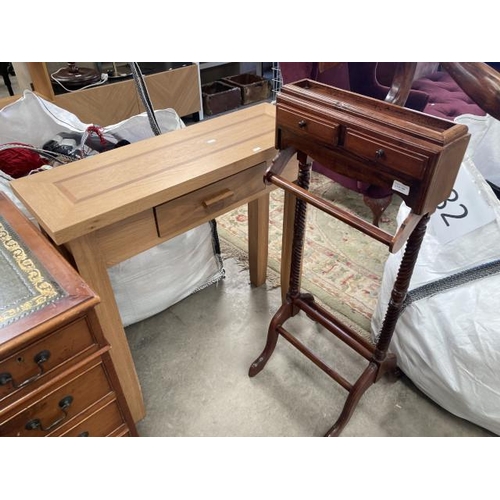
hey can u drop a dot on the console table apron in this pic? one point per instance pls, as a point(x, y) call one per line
point(416, 155)
point(106, 208)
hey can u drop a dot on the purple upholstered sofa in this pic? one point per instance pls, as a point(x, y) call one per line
point(444, 97)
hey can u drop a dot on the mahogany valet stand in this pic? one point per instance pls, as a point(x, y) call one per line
point(416, 155)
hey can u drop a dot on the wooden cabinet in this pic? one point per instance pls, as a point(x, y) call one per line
point(56, 373)
point(113, 102)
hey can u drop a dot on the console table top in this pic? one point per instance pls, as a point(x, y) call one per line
point(76, 199)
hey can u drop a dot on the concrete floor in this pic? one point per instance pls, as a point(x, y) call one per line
point(192, 361)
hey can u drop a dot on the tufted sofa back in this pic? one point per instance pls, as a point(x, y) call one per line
point(445, 98)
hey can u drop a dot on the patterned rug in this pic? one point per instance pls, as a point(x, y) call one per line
point(342, 266)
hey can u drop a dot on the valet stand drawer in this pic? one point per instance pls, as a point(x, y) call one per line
point(209, 202)
point(308, 127)
point(27, 368)
point(385, 154)
point(49, 410)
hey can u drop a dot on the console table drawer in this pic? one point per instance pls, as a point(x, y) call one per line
point(47, 412)
point(308, 128)
point(208, 202)
point(29, 365)
point(385, 154)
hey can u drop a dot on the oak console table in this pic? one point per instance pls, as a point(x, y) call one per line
point(106, 208)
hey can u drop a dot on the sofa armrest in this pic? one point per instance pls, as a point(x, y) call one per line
point(480, 82)
point(363, 80)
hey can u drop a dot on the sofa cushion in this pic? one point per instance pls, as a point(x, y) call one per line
point(446, 99)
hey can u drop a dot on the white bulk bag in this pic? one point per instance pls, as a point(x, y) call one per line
point(448, 343)
point(148, 283)
point(484, 145)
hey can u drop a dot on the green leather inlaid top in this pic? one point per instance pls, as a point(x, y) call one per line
point(25, 285)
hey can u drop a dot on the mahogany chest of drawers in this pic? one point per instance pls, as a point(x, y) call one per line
point(56, 373)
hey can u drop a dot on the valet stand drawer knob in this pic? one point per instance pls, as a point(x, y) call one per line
point(39, 359)
point(36, 423)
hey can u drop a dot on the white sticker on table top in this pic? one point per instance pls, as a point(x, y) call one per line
point(464, 211)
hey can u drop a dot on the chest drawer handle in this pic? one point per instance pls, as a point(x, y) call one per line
point(36, 423)
point(39, 359)
point(380, 153)
point(302, 124)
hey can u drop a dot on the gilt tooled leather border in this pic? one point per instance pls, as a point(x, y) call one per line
point(38, 288)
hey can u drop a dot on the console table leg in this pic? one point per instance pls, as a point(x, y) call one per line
point(258, 239)
point(90, 262)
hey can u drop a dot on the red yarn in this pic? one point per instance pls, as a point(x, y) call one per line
point(18, 162)
point(96, 130)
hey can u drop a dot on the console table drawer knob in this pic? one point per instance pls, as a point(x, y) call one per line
point(214, 200)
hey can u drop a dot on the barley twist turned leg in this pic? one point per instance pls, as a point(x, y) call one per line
point(286, 311)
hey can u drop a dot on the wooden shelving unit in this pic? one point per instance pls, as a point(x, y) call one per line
point(113, 102)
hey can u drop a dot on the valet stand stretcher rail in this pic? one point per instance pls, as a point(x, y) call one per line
point(411, 232)
point(380, 361)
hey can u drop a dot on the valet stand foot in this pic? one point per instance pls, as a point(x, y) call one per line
point(366, 380)
point(380, 361)
point(284, 312)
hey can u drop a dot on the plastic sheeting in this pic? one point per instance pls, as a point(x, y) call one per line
point(448, 343)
